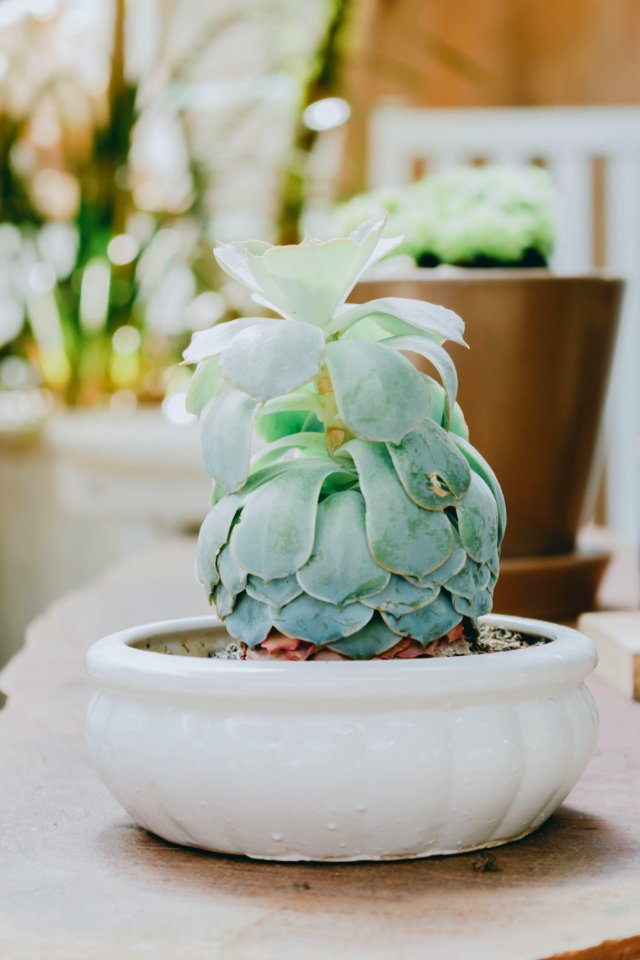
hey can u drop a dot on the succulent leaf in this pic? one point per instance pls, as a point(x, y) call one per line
point(320, 623)
point(232, 576)
point(372, 640)
point(403, 537)
point(223, 600)
point(476, 606)
point(441, 361)
point(250, 621)
point(212, 342)
point(478, 520)
point(400, 596)
point(275, 593)
point(213, 535)
point(428, 623)
point(480, 466)
point(472, 579)
point(341, 568)
point(380, 394)
point(205, 384)
point(430, 467)
point(276, 530)
point(402, 316)
point(267, 362)
point(226, 431)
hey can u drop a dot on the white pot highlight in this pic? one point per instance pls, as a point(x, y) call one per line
point(340, 760)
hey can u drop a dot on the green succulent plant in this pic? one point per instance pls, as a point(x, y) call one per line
point(365, 519)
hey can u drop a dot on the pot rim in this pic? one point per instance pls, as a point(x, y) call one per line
point(114, 664)
point(449, 272)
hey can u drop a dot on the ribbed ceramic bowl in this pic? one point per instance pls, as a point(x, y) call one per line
point(340, 760)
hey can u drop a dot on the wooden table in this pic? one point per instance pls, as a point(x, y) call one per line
point(78, 881)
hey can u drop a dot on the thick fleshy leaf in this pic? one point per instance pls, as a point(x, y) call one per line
point(312, 444)
point(274, 537)
point(310, 281)
point(454, 563)
point(478, 523)
point(427, 624)
point(274, 426)
point(233, 258)
point(206, 382)
point(223, 600)
point(380, 395)
point(472, 579)
point(400, 596)
point(294, 402)
point(480, 604)
point(374, 638)
point(403, 537)
point(480, 466)
point(276, 593)
point(250, 621)
point(213, 535)
point(494, 563)
point(233, 577)
point(309, 619)
point(441, 361)
point(267, 362)
point(341, 568)
point(430, 467)
point(403, 316)
point(211, 342)
point(226, 430)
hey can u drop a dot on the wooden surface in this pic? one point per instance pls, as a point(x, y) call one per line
point(78, 881)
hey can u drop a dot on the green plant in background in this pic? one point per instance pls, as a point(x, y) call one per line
point(496, 215)
point(366, 525)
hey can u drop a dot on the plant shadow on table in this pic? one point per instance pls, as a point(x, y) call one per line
point(572, 845)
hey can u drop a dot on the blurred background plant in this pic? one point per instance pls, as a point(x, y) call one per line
point(117, 136)
point(474, 216)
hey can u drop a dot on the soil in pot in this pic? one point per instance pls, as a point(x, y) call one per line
point(217, 645)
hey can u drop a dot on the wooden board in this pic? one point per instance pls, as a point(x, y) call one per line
point(78, 881)
point(617, 636)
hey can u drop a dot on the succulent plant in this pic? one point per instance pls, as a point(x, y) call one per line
point(366, 524)
point(496, 215)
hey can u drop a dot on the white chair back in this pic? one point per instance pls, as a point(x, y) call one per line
point(567, 140)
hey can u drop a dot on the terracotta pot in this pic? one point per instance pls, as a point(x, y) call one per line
point(532, 386)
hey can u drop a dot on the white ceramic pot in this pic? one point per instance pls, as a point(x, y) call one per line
point(340, 760)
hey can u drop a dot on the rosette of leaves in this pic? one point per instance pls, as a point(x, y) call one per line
point(366, 518)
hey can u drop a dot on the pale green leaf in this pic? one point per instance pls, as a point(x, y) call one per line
point(274, 537)
point(477, 606)
point(478, 522)
point(306, 618)
point(223, 600)
point(233, 577)
point(308, 282)
point(454, 563)
point(480, 466)
point(211, 342)
point(275, 593)
point(250, 621)
point(401, 315)
point(226, 431)
point(213, 535)
point(206, 382)
point(427, 624)
point(430, 467)
point(267, 362)
point(341, 568)
point(404, 538)
point(372, 640)
point(379, 393)
point(472, 579)
point(441, 361)
point(400, 596)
